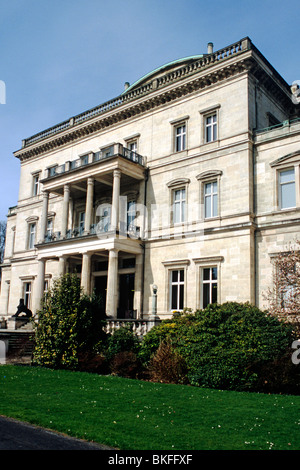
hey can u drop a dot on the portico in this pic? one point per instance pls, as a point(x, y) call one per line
point(87, 233)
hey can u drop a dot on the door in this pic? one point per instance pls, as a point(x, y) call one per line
point(125, 309)
point(100, 289)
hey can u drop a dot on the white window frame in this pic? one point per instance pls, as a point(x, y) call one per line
point(49, 230)
point(207, 262)
point(178, 185)
point(175, 265)
point(132, 142)
point(179, 134)
point(211, 128)
point(27, 291)
point(285, 184)
point(210, 210)
point(36, 184)
point(207, 114)
point(181, 203)
point(180, 137)
point(130, 213)
point(207, 177)
point(177, 284)
point(31, 235)
point(208, 282)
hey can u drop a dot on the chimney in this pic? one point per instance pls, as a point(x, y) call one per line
point(210, 48)
point(127, 85)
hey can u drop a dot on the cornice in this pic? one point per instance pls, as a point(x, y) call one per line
point(174, 85)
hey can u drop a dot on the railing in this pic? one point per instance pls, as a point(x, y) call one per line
point(139, 327)
point(207, 59)
point(286, 123)
point(115, 150)
point(95, 229)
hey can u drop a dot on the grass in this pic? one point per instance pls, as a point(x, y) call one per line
point(135, 415)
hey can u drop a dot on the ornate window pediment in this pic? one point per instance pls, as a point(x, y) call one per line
point(209, 174)
point(290, 158)
point(178, 182)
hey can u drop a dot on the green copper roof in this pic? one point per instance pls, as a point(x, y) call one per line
point(174, 62)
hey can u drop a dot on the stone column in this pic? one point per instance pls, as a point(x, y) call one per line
point(115, 200)
point(86, 273)
point(137, 301)
point(112, 284)
point(39, 285)
point(61, 265)
point(89, 205)
point(65, 211)
point(44, 218)
point(6, 286)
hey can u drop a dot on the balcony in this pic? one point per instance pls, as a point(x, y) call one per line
point(92, 159)
point(100, 230)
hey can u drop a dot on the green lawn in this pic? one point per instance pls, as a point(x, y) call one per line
point(136, 415)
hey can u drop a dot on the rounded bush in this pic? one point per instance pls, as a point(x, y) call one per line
point(224, 346)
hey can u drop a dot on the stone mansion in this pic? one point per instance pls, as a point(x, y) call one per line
point(188, 181)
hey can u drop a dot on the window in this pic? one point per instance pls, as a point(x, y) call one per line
point(177, 289)
point(49, 228)
point(132, 146)
point(131, 214)
point(179, 200)
point(287, 190)
point(211, 199)
point(36, 184)
point(104, 212)
point(180, 138)
point(52, 171)
point(81, 221)
point(211, 133)
point(84, 160)
point(31, 237)
point(209, 286)
point(27, 294)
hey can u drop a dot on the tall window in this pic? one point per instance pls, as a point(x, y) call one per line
point(132, 146)
point(27, 294)
point(209, 286)
point(180, 138)
point(211, 199)
point(131, 213)
point(81, 221)
point(177, 290)
point(287, 190)
point(31, 237)
point(179, 200)
point(49, 228)
point(36, 184)
point(104, 212)
point(211, 128)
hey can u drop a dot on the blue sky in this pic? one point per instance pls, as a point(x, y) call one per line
point(62, 57)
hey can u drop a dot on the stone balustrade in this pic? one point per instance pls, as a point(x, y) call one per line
point(144, 89)
point(139, 327)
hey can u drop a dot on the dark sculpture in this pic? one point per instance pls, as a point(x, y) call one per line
point(23, 309)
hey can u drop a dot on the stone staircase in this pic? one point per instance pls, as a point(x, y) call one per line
point(19, 345)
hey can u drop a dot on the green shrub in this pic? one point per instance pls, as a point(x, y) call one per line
point(69, 324)
point(167, 366)
point(125, 364)
point(224, 346)
point(123, 339)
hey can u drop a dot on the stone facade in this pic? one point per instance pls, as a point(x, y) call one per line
point(189, 180)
